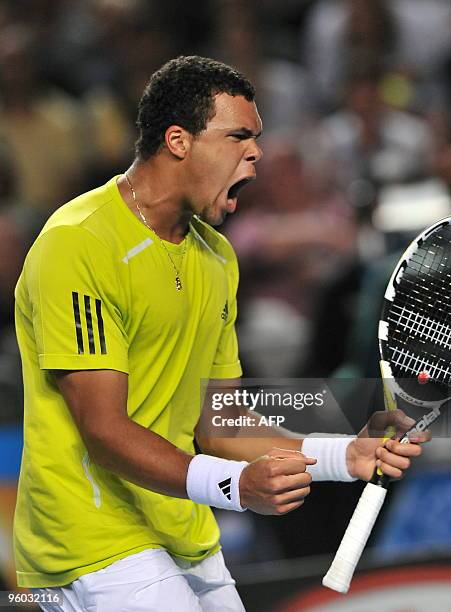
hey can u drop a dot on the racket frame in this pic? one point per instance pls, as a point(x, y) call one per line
point(342, 569)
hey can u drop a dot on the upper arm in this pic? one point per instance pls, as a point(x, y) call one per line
point(74, 302)
point(97, 401)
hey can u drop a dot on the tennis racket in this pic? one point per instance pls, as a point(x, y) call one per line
point(415, 349)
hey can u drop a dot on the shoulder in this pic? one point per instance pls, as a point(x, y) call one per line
point(214, 240)
point(80, 222)
point(76, 233)
point(83, 210)
point(68, 241)
point(68, 255)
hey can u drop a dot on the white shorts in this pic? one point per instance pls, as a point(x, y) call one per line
point(151, 581)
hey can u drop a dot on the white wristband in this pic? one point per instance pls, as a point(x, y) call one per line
point(331, 457)
point(215, 482)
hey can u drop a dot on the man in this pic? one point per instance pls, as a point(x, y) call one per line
point(126, 301)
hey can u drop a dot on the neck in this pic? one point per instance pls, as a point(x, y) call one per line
point(157, 198)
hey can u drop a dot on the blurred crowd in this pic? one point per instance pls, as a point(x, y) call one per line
point(355, 97)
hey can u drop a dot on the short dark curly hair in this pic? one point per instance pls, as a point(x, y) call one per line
point(182, 93)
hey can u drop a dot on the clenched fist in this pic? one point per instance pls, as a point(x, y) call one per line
point(276, 483)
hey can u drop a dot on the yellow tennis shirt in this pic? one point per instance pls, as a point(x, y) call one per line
point(98, 292)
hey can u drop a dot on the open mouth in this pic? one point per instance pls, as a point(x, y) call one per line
point(232, 194)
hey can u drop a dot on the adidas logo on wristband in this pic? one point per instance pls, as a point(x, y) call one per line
point(215, 482)
point(225, 487)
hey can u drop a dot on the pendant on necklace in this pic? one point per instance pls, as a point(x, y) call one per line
point(178, 283)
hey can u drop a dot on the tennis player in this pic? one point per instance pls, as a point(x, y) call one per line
point(126, 301)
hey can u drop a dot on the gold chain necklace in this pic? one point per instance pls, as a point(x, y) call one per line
point(178, 282)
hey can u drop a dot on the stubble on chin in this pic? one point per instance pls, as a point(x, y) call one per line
point(214, 217)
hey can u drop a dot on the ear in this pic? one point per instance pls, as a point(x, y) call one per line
point(178, 141)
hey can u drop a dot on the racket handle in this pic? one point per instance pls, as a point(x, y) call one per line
point(350, 550)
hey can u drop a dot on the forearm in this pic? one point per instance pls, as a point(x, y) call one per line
point(247, 443)
point(333, 454)
point(141, 457)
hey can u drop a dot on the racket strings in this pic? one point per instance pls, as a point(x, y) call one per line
point(433, 330)
point(430, 265)
point(429, 268)
point(430, 294)
point(419, 317)
point(410, 362)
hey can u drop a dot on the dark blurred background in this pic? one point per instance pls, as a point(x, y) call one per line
point(355, 97)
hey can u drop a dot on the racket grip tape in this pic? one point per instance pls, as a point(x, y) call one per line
point(355, 538)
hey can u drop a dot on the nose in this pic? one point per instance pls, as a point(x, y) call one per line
point(254, 153)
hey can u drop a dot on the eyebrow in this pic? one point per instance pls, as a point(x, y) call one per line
point(246, 133)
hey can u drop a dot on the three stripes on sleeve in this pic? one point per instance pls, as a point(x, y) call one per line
point(90, 333)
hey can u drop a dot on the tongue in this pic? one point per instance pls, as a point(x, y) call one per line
point(231, 204)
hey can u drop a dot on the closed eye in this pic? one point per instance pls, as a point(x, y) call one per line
point(239, 136)
point(244, 134)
